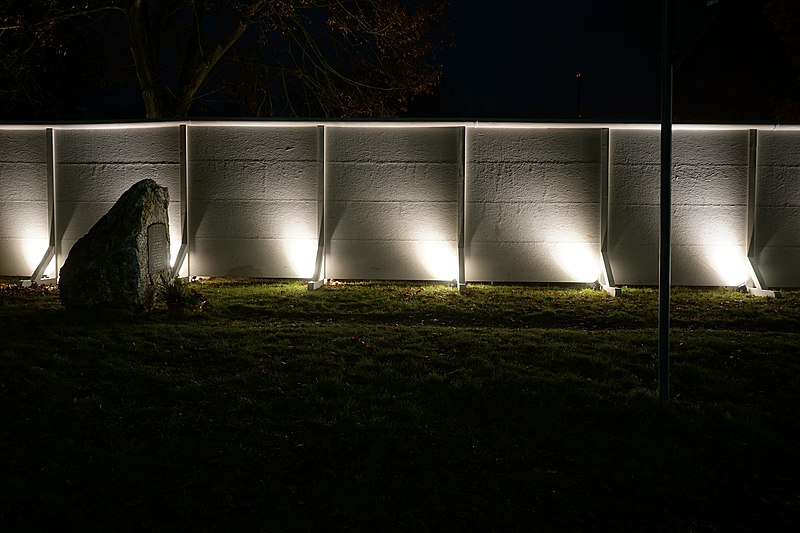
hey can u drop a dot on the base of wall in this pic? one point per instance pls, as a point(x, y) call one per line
point(314, 285)
point(765, 293)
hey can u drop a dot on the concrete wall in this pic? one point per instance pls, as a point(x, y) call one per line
point(709, 197)
point(533, 205)
point(392, 203)
point(23, 200)
point(392, 195)
point(253, 201)
point(777, 237)
point(95, 166)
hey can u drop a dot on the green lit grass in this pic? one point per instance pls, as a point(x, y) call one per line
point(402, 407)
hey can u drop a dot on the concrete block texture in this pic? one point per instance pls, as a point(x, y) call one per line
point(777, 239)
point(392, 202)
point(23, 146)
point(118, 145)
point(263, 258)
point(392, 192)
point(23, 200)
point(527, 192)
point(709, 204)
point(253, 188)
point(94, 167)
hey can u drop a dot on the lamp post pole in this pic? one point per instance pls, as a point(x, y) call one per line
point(664, 271)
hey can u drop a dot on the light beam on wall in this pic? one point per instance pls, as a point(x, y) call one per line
point(580, 261)
point(174, 250)
point(301, 254)
point(439, 258)
point(33, 251)
point(300, 250)
point(730, 263)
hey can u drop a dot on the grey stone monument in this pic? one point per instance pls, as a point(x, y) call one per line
point(124, 258)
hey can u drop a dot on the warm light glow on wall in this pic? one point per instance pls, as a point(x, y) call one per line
point(730, 263)
point(580, 261)
point(174, 249)
point(34, 250)
point(440, 259)
point(301, 254)
point(300, 250)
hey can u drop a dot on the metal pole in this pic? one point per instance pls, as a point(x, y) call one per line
point(461, 283)
point(664, 272)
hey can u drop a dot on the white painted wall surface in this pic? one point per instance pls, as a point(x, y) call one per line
point(533, 205)
point(23, 200)
point(778, 213)
point(94, 167)
point(392, 203)
point(709, 198)
point(253, 201)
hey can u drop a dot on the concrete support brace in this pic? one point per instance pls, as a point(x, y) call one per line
point(50, 253)
point(183, 252)
point(462, 180)
point(318, 279)
point(606, 280)
point(759, 287)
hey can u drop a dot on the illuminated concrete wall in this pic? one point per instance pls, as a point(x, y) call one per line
point(392, 198)
point(533, 205)
point(709, 196)
point(253, 201)
point(95, 166)
point(23, 200)
point(777, 239)
point(392, 203)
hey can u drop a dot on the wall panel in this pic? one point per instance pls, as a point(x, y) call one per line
point(252, 201)
point(392, 203)
point(23, 200)
point(709, 197)
point(392, 198)
point(777, 237)
point(94, 167)
point(532, 205)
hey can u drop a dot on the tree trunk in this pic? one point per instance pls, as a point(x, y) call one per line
point(144, 58)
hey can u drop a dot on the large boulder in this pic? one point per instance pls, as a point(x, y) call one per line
point(124, 258)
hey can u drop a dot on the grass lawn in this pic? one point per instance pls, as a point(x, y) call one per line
point(400, 407)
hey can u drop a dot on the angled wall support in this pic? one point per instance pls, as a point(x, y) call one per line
point(38, 276)
point(462, 181)
point(759, 287)
point(318, 279)
point(606, 280)
point(183, 251)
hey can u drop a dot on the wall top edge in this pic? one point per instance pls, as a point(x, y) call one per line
point(397, 123)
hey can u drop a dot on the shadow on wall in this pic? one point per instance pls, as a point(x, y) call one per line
point(392, 199)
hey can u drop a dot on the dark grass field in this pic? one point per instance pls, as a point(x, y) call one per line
point(400, 407)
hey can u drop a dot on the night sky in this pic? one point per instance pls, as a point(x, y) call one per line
point(520, 59)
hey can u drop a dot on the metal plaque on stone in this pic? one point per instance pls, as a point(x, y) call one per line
point(157, 252)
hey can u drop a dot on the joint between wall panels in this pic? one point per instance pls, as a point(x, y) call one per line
point(756, 277)
point(462, 193)
point(319, 276)
point(73, 190)
point(51, 252)
point(184, 250)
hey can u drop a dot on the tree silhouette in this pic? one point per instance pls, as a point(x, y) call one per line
point(784, 15)
point(330, 58)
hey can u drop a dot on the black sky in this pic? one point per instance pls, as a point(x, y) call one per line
point(519, 60)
